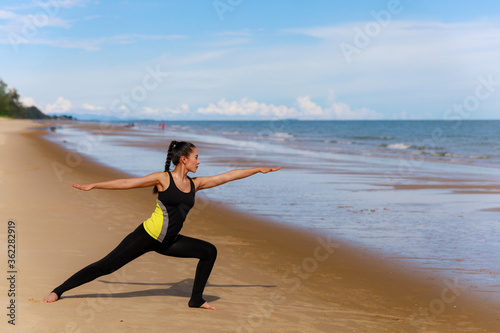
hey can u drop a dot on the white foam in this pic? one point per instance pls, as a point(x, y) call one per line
point(282, 135)
point(401, 146)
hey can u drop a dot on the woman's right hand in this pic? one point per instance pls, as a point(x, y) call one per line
point(83, 187)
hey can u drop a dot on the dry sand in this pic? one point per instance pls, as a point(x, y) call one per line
point(267, 278)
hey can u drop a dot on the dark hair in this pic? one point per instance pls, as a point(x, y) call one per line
point(176, 150)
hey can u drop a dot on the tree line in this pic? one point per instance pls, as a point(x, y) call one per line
point(12, 107)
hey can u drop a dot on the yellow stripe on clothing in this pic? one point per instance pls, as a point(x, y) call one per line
point(156, 226)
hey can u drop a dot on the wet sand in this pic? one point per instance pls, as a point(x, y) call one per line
point(267, 278)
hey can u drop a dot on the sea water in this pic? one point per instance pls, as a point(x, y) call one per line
point(345, 178)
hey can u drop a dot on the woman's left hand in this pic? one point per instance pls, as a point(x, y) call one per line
point(266, 170)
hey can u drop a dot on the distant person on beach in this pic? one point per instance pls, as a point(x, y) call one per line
point(160, 233)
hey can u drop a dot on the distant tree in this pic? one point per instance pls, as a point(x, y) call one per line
point(33, 112)
point(5, 102)
point(11, 106)
point(19, 111)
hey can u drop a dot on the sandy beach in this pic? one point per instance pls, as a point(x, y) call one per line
point(267, 277)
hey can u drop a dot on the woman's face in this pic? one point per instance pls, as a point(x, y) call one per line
point(192, 161)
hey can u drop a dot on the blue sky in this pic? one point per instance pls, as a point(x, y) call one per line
point(254, 59)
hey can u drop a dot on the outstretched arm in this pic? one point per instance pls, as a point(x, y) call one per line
point(202, 183)
point(157, 178)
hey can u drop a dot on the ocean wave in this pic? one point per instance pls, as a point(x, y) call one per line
point(401, 146)
point(427, 148)
point(303, 137)
point(481, 157)
point(373, 137)
point(181, 127)
point(339, 142)
point(282, 135)
point(471, 157)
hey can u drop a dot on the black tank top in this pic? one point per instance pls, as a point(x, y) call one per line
point(171, 210)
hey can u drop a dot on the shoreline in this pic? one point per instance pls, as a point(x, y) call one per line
point(297, 281)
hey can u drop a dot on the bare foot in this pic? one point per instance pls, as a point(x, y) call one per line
point(52, 297)
point(206, 305)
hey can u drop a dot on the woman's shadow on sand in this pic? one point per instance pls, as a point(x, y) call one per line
point(180, 289)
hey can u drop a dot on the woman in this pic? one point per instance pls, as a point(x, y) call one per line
point(160, 233)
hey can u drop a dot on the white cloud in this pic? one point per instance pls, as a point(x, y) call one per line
point(25, 28)
point(343, 111)
point(62, 3)
point(28, 101)
point(28, 23)
point(246, 108)
point(51, 6)
point(89, 107)
point(7, 15)
point(17, 36)
point(414, 66)
point(409, 40)
point(307, 109)
point(147, 112)
point(40, 21)
point(60, 106)
point(338, 111)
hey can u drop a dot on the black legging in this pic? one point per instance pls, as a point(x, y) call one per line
point(139, 242)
